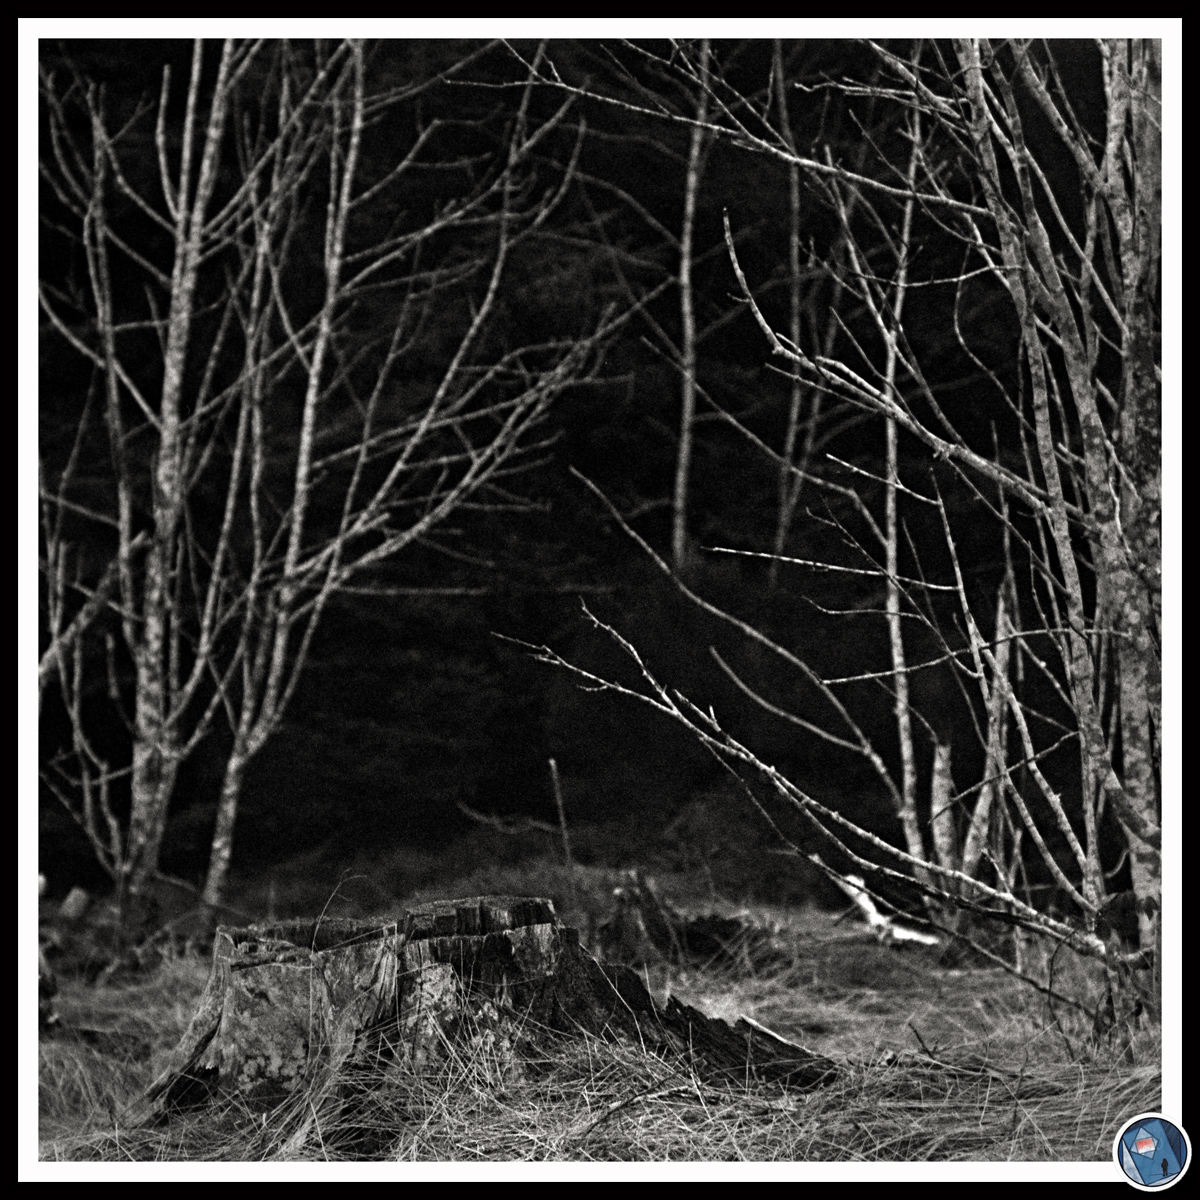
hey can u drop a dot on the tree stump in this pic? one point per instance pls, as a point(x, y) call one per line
point(304, 1004)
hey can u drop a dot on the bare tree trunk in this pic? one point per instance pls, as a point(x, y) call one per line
point(903, 712)
point(789, 488)
point(943, 827)
point(221, 850)
point(687, 312)
point(1138, 652)
point(154, 766)
point(156, 748)
point(996, 758)
point(908, 764)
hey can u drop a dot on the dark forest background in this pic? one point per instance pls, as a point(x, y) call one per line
point(414, 704)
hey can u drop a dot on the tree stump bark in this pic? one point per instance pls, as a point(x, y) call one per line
point(300, 1004)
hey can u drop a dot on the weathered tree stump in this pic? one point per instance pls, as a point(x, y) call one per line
point(295, 1005)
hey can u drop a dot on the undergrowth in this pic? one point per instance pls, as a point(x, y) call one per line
point(937, 1064)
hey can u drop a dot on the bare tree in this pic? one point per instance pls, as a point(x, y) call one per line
point(687, 317)
point(658, 101)
point(807, 300)
point(1057, 229)
point(292, 354)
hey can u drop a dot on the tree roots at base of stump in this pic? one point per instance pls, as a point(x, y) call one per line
point(297, 1007)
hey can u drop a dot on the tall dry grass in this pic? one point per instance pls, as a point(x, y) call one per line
point(965, 1064)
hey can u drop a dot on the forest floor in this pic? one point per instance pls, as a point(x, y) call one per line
point(943, 1063)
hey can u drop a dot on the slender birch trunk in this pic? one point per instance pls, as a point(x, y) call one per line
point(909, 820)
point(687, 313)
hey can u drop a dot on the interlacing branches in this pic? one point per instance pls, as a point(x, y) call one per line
point(295, 379)
point(986, 186)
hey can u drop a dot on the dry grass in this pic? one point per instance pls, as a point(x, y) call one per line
point(939, 1065)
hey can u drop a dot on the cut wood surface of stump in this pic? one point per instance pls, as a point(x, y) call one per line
point(294, 1005)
